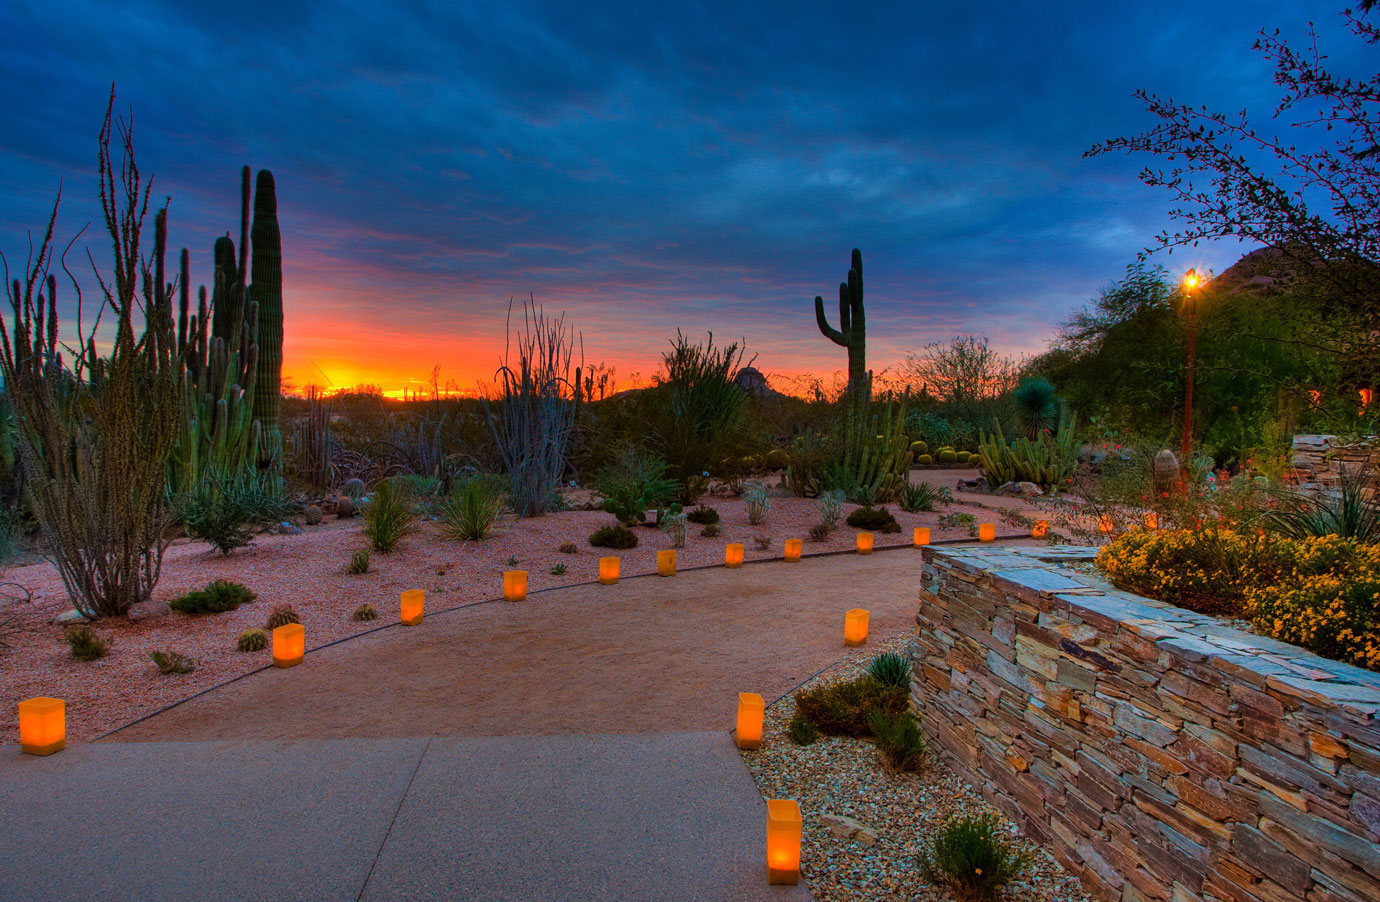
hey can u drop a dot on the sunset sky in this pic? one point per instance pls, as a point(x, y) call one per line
point(639, 169)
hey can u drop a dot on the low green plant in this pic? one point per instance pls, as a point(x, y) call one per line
point(281, 615)
point(802, 730)
point(359, 562)
point(85, 643)
point(958, 520)
point(1353, 512)
point(890, 669)
point(844, 708)
point(917, 497)
point(218, 595)
point(865, 495)
point(225, 511)
point(702, 515)
point(711, 531)
point(469, 512)
point(635, 483)
point(364, 613)
point(899, 739)
point(1049, 460)
point(873, 519)
point(252, 640)
point(972, 859)
point(830, 507)
point(758, 502)
point(762, 542)
point(673, 525)
point(170, 662)
point(558, 570)
point(616, 536)
point(512, 560)
point(388, 516)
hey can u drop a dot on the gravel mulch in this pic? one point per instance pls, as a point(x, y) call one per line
point(842, 776)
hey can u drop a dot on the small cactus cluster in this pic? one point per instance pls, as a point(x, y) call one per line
point(252, 640)
point(365, 612)
point(944, 456)
point(312, 515)
point(282, 615)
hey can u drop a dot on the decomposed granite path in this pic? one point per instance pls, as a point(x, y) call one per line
point(573, 746)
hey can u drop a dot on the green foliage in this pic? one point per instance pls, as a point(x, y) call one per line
point(219, 595)
point(252, 640)
point(225, 510)
point(558, 570)
point(802, 730)
point(1048, 461)
point(171, 662)
point(873, 519)
point(845, 708)
point(281, 615)
point(899, 739)
point(890, 669)
point(830, 507)
point(776, 459)
point(312, 516)
point(364, 613)
point(85, 643)
point(972, 859)
point(617, 536)
point(1037, 406)
point(932, 428)
point(958, 520)
point(875, 451)
point(702, 515)
point(697, 416)
point(919, 497)
point(388, 516)
point(469, 512)
point(809, 455)
point(266, 290)
point(924, 460)
point(758, 502)
point(358, 563)
point(635, 483)
point(1353, 512)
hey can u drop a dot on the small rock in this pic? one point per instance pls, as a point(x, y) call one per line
point(1029, 489)
point(69, 616)
point(1008, 488)
point(147, 610)
point(287, 529)
point(847, 828)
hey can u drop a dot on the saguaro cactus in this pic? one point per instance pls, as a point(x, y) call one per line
point(266, 292)
point(852, 331)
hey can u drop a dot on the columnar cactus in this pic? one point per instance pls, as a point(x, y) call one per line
point(266, 290)
point(852, 331)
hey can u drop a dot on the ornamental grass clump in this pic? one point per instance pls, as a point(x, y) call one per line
point(358, 563)
point(802, 730)
point(921, 496)
point(899, 740)
point(171, 662)
point(972, 859)
point(85, 643)
point(218, 596)
point(388, 516)
point(469, 512)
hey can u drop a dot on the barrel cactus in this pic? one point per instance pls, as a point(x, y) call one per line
point(918, 448)
point(345, 508)
point(282, 615)
point(354, 488)
point(252, 640)
point(948, 457)
point(925, 460)
point(312, 515)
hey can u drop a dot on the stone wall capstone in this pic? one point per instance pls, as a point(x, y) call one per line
point(1159, 753)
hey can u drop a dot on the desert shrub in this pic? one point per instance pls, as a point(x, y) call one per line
point(958, 520)
point(758, 502)
point(865, 495)
point(971, 859)
point(281, 615)
point(388, 516)
point(558, 570)
point(711, 531)
point(170, 662)
point(917, 497)
point(673, 525)
point(85, 643)
point(358, 563)
point(364, 613)
point(808, 457)
point(820, 533)
point(418, 485)
point(830, 507)
point(873, 519)
point(252, 640)
point(843, 708)
point(469, 512)
point(617, 536)
point(890, 669)
point(219, 595)
point(702, 515)
point(700, 411)
point(802, 730)
point(899, 739)
point(761, 542)
point(633, 484)
point(569, 548)
point(226, 511)
point(931, 427)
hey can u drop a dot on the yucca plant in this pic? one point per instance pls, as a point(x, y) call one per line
point(388, 516)
point(890, 669)
point(1037, 407)
point(972, 859)
point(470, 511)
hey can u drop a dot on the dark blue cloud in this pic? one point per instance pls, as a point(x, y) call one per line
point(644, 169)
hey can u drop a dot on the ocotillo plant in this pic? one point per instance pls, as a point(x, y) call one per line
point(266, 291)
point(852, 330)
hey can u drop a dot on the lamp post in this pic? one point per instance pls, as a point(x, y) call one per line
point(1190, 282)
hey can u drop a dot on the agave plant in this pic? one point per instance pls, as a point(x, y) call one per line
point(1351, 512)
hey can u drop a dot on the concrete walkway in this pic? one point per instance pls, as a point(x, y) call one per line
point(397, 794)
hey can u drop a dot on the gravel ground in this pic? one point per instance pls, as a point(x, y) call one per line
point(842, 776)
point(306, 571)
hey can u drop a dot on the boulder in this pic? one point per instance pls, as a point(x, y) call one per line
point(1029, 489)
point(147, 610)
point(1008, 488)
point(287, 529)
point(847, 828)
point(71, 616)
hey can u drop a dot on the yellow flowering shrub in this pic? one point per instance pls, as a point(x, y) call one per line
point(1319, 593)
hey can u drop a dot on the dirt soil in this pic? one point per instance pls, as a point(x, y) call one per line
point(647, 655)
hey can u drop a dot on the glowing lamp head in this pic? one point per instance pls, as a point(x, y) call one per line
point(42, 726)
point(289, 644)
point(413, 606)
point(783, 841)
point(608, 570)
point(987, 532)
point(733, 555)
point(922, 536)
point(792, 552)
point(855, 627)
point(864, 543)
point(751, 710)
point(1192, 280)
point(514, 585)
point(666, 562)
